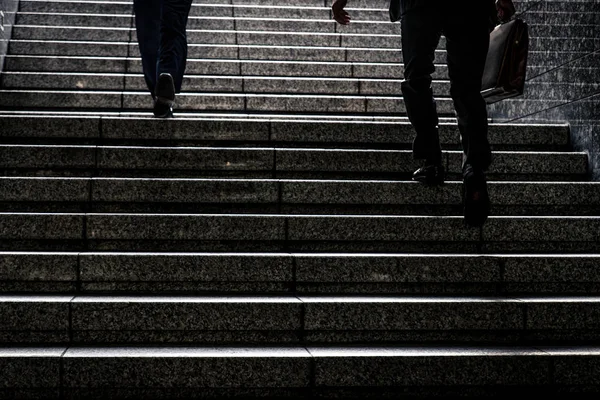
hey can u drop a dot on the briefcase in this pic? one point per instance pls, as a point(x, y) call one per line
point(506, 63)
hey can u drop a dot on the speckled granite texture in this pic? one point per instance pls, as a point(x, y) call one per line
point(563, 73)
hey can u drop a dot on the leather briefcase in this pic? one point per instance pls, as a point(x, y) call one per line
point(506, 63)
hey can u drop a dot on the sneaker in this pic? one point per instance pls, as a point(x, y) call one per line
point(477, 200)
point(432, 174)
point(165, 96)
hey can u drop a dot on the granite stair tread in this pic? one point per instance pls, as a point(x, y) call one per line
point(303, 370)
point(272, 273)
point(96, 319)
point(573, 196)
point(281, 160)
point(256, 128)
point(298, 232)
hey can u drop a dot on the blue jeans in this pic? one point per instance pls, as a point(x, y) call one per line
point(160, 27)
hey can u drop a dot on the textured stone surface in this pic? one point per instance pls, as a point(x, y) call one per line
point(38, 267)
point(184, 190)
point(44, 189)
point(185, 268)
point(189, 101)
point(31, 368)
point(563, 314)
point(305, 103)
point(192, 83)
point(531, 163)
point(49, 126)
point(191, 129)
point(65, 63)
point(119, 34)
point(44, 315)
point(288, 38)
point(389, 228)
point(540, 229)
point(575, 365)
point(41, 226)
point(185, 158)
point(178, 367)
point(301, 85)
point(73, 81)
point(396, 269)
point(557, 269)
point(46, 156)
point(50, 98)
point(68, 48)
point(345, 160)
point(58, 19)
point(185, 314)
point(337, 367)
point(296, 68)
point(185, 227)
point(402, 313)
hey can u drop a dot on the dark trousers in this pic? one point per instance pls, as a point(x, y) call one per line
point(160, 27)
point(467, 39)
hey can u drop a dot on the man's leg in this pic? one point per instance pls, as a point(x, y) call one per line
point(467, 41)
point(147, 24)
point(467, 44)
point(421, 31)
point(173, 39)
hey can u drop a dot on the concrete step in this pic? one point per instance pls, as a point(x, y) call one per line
point(213, 101)
point(306, 273)
point(297, 371)
point(259, 52)
point(207, 36)
point(95, 320)
point(215, 51)
point(276, 232)
point(209, 10)
point(270, 128)
point(289, 196)
point(90, 64)
point(211, 83)
point(271, 160)
point(260, 23)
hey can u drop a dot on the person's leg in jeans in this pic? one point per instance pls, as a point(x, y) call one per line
point(421, 31)
point(161, 29)
point(467, 41)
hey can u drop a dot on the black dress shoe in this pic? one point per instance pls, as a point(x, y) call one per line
point(432, 174)
point(477, 199)
point(165, 96)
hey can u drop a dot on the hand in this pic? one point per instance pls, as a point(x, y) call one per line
point(506, 9)
point(339, 14)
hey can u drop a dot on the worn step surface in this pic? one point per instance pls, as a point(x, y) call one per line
point(92, 320)
point(353, 372)
point(276, 232)
point(292, 129)
point(274, 161)
point(305, 273)
point(230, 195)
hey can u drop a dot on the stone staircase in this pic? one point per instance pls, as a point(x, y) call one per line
point(268, 241)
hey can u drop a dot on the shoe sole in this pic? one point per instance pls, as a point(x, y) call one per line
point(477, 201)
